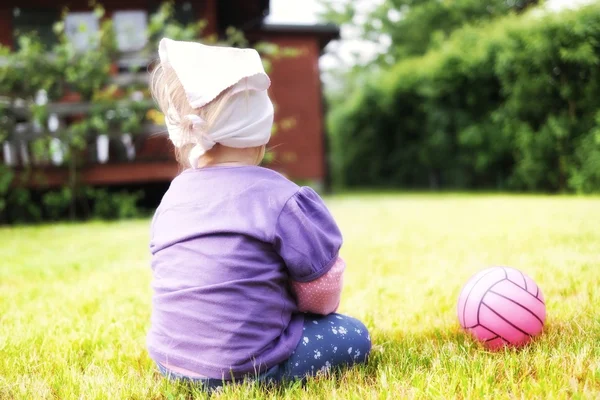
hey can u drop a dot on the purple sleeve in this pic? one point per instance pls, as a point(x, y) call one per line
point(306, 236)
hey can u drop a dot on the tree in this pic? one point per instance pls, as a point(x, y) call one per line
point(414, 26)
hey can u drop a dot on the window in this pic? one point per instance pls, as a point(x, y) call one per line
point(130, 29)
point(184, 11)
point(82, 28)
point(35, 20)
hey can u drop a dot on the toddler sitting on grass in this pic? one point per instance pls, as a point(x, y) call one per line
point(246, 269)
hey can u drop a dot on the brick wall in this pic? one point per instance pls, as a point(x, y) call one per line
point(296, 90)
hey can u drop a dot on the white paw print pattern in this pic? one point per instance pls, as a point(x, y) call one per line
point(322, 349)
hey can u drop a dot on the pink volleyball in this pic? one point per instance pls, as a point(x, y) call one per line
point(502, 306)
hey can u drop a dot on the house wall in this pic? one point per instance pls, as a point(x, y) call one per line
point(296, 91)
point(6, 24)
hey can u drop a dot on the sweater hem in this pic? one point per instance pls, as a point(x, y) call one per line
point(253, 368)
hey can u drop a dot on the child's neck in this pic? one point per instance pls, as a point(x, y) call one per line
point(229, 156)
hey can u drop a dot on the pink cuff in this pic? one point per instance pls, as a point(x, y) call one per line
point(321, 296)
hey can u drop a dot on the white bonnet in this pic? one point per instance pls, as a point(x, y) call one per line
point(207, 71)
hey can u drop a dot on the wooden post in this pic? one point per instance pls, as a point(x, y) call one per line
point(6, 35)
point(209, 14)
point(72, 182)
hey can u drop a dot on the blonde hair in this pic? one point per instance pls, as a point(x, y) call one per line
point(169, 94)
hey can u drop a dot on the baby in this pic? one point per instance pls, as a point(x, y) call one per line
point(246, 269)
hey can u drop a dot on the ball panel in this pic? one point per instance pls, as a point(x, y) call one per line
point(522, 297)
point(465, 294)
point(490, 319)
point(532, 287)
point(515, 313)
point(540, 296)
point(516, 277)
point(482, 333)
point(495, 344)
point(473, 297)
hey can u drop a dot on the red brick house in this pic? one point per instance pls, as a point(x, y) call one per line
point(300, 148)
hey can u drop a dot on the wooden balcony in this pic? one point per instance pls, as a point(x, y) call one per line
point(109, 174)
point(114, 158)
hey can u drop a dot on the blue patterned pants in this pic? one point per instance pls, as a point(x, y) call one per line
point(327, 342)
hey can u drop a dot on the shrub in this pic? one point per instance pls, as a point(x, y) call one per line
point(511, 104)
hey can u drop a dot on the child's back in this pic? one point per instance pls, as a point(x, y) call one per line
point(221, 292)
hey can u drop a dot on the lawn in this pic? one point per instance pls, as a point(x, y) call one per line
point(75, 303)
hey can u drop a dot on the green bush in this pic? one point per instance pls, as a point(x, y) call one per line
point(57, 203)
point(121, 205)
point(512, 104)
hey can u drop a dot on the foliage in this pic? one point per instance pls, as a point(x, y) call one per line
point(57, 202)
point(121, 205)
point(395, 30)
point(6, 178)
point(415, 26)
point(511, 104)
point(21, 206)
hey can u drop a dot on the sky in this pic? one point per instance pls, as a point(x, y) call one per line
point(306, 11)
point(338, 52)
point(293, 11)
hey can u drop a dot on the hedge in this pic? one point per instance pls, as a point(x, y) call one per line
point(511, 105)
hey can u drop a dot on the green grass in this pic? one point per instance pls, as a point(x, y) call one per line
point(75, 303)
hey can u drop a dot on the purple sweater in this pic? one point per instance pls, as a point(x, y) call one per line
point(225, 243)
